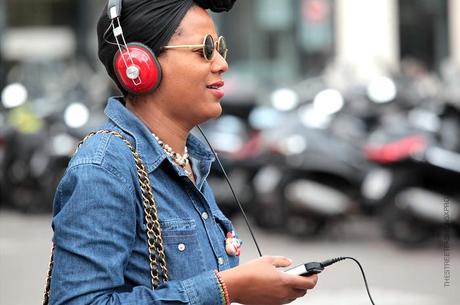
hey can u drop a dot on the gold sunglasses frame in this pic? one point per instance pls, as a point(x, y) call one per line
point(202, 46)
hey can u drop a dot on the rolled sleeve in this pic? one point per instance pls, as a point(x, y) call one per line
point(203, 289)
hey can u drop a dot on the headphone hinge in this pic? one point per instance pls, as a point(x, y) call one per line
point(117, 31)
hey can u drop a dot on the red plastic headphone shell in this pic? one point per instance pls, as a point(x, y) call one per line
point(147, 63)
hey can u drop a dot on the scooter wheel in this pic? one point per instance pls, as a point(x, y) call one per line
point(403, 229)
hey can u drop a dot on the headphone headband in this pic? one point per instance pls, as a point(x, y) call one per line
point(114, 8)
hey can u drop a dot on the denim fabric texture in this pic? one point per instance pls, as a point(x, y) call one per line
point(101, 254)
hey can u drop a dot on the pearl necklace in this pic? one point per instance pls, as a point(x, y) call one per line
point(181, 160)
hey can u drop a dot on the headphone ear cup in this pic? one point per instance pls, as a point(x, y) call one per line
point(144, 62)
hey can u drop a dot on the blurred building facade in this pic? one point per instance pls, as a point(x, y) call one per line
point(297, 38)
point(283, 41)
point(41, 30)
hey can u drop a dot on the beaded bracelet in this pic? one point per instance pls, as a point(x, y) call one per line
point(223, 289)
point(222, 293)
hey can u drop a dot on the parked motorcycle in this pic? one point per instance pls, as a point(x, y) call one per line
point(314, 172)
point(43, 126)
point(415, 183)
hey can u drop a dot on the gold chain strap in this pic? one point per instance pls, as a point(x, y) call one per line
point(154, 238)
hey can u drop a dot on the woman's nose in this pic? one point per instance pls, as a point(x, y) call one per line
point(219, 64)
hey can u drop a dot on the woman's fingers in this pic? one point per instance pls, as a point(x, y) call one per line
point(303, 282)
point(298, 293)
point(294, 295)
point(280, 261)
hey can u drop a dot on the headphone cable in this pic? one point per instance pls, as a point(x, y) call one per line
point(338, 259)
point(233, 192)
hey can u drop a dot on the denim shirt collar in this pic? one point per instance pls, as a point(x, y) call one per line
point(146, 144)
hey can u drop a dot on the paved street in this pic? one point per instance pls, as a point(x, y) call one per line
point(395, 276)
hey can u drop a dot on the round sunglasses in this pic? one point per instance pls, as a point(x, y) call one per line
point(208, 46)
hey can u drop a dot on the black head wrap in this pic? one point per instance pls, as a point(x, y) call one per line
point(216, 5)
point(151, 22)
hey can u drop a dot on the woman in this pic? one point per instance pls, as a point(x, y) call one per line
point(100, 239)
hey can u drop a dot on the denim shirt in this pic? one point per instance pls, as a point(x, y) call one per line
point(101, 254)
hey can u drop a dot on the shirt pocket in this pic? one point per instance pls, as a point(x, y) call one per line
point(225, 226)
point(184, 256)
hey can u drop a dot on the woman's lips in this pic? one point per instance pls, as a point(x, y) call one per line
point(219, 93)
point(216, 88)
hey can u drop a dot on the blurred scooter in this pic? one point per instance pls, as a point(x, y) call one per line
point(415, 183)
point(41, 131)
point(313, 176)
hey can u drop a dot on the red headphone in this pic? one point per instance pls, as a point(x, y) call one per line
point(136, 66)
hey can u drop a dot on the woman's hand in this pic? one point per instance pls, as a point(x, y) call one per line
point(260, 282)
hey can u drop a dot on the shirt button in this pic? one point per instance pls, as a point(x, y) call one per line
point(181, 247)
point(220, 260)
point(204, 215)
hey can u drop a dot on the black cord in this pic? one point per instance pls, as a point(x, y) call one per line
point(233, 192)
point(323, 264)
point(338, 259)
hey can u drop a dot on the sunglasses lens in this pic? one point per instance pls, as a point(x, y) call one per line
point(208, 48)
point(222, 47)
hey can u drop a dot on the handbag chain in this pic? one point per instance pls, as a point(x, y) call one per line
point(154, 238)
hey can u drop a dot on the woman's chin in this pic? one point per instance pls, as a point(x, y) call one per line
point(212, 112)
point(218, 110)
point(213, 109)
